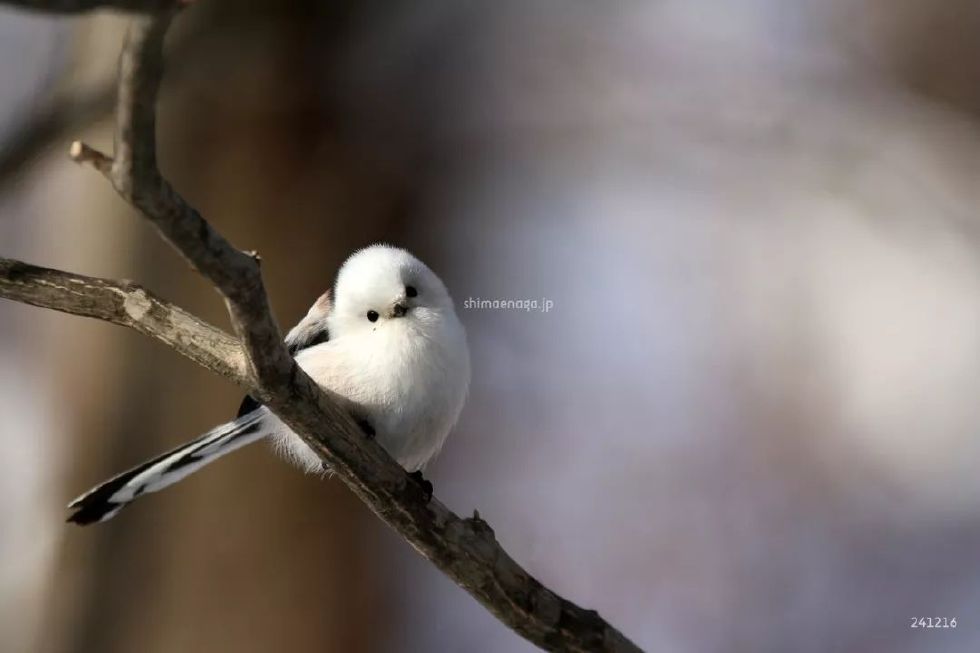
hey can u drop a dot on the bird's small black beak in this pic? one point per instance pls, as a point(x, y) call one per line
point(399, 310)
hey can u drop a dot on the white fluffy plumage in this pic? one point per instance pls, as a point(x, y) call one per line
point(408, 372)
point(390, 342)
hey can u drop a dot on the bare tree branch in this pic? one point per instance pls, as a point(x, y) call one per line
point(134, 174)
point(465, 549)
point(79, 6)
point(127, 304)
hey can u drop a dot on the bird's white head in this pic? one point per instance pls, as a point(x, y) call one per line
point(384, 287)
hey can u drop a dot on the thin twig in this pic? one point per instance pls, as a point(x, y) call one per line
point(465, 549)
point(82, 153)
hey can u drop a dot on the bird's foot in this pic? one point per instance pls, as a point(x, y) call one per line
point(366, 427)
point(423, 483)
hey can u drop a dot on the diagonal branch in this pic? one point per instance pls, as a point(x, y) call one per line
point(126, 304)
point(464, 549)
point(79, 6)
point(134, 174)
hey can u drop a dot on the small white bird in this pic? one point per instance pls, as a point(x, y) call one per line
point(390, 342)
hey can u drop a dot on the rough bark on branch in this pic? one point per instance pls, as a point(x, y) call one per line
point(126, 304)
point(79, 6)
point(465, 549)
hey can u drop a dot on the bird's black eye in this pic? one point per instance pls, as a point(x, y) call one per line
point(372, 316)
point(410, 291)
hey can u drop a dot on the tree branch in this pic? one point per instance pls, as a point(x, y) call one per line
point(126, 304)
point(465, 549)
point(80, 6)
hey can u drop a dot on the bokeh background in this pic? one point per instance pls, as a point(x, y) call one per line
point(749, 423)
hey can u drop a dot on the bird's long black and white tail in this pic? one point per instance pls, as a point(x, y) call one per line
point(104, 501)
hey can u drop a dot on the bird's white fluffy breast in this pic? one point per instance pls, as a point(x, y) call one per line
point(410, 377)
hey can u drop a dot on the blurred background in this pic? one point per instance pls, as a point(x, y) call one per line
point(750, 422)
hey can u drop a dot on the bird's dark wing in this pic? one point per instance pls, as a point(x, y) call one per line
point(310, 331)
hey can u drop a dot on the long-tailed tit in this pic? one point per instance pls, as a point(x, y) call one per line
point(389, 342)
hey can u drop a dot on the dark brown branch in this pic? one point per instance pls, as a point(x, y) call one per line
point(79, 6)
point(465, 549)
point(134, 174)
point(129, 305)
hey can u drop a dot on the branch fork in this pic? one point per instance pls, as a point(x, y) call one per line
point(465, 549)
